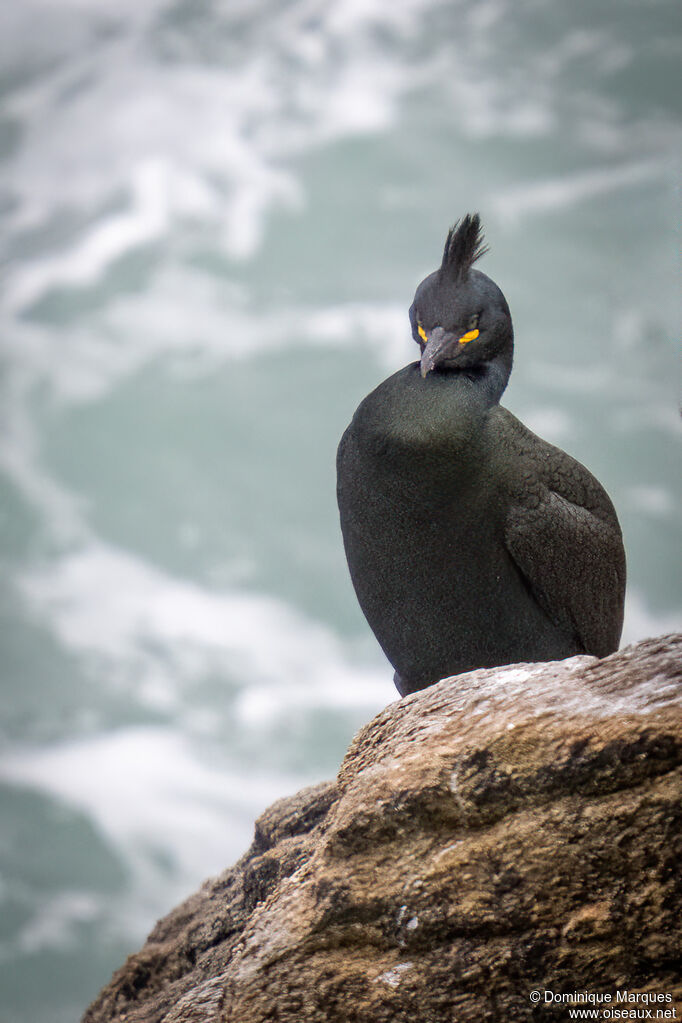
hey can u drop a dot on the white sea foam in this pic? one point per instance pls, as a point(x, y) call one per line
point(172, 813)
point(172, 632)
point(176, 801)
point(194, 324)
point(162, 634)
point(57, 922)
point(171, 800)
point(177, 144)
point(560, 193)
point(153, 795)
point(157, 193)
point(188, 141)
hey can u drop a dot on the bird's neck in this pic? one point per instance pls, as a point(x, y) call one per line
point(493, 377)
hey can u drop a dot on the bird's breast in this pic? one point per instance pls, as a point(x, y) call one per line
point(421, 442)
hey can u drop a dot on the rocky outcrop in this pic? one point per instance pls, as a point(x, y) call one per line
point(502, 832)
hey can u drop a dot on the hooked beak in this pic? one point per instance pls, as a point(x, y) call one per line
point(438, 340)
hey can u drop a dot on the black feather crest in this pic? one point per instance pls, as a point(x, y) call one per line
point(463, 246)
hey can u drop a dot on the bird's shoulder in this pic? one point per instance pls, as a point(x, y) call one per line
point(542, 468)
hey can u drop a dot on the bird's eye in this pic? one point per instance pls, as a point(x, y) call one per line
point(473, 322)
point(422, 333)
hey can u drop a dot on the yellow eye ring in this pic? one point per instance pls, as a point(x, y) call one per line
point(422, 333)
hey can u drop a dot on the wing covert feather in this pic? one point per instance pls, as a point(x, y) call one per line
point(563, 534)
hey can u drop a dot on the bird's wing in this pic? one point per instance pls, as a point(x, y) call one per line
point(563, 534)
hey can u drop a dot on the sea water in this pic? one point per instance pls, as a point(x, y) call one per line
point(213, 218)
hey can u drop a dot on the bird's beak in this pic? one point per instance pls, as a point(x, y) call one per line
point(439, 339)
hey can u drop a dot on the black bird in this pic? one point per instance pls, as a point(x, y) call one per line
point(471, 541)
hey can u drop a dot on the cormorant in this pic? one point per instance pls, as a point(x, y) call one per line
point(471, 542)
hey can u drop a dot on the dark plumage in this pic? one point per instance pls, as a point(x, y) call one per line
point(471, 542)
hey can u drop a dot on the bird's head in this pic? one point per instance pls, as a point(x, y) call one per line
point(460, 318)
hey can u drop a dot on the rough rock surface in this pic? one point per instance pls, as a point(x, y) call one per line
point(503, 831)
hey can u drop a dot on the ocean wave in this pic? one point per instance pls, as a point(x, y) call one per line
point(192, 323)
point(153, 794)
point(143, 127)
point(163, 633)
point(560, 193)
point(109, 118)
point(172, 815)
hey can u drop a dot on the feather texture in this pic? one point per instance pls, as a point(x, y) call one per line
point(464, 245)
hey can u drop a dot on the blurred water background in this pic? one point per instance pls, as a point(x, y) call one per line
point(213, 217)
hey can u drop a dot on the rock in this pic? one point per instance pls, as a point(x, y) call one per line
point(505, 831)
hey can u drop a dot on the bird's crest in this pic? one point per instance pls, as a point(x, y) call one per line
point(463, 246)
